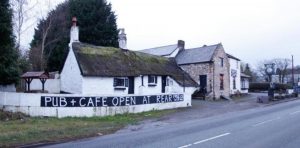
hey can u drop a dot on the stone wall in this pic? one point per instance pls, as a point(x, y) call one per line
point(195, 70)
point(218, 69)
point(213, 71)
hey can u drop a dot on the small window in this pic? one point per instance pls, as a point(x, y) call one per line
point(221, 81)
point(237, 64)
point(221, 62)
point(152, 80)
point(120, 82)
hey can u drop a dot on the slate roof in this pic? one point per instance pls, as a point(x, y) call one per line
point(161, 51)
point(115, 62)
point(196, 55)
point(232, 57)
point(35, 74)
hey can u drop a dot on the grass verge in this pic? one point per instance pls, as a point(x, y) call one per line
point(16, 131)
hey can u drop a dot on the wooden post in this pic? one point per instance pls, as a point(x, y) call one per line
point(43, 80)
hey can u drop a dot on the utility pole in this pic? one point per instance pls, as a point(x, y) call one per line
point(293, 71)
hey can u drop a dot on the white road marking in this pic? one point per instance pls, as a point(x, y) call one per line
point(188, 145)
point(264, 122)
point(212, 138)
point(296, 112)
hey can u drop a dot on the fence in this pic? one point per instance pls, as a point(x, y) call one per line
point(78, 105)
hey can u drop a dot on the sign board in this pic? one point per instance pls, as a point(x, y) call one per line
point(233, 73)
point(98, 101)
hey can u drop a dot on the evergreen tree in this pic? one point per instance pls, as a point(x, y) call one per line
point(96, 21)
point(9, 71)
point(97, 25)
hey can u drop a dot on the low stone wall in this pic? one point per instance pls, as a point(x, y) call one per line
point(61, 105)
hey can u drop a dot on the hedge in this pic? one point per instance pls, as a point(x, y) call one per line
point(266, 86)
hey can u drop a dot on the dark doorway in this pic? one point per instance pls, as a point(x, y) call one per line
point(163, 84)
point(131, 85)
point(203, 84)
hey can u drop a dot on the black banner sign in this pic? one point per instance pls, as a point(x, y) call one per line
point(97, 101)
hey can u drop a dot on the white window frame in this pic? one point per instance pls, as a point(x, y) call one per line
point(124, 82)
point(154, 83)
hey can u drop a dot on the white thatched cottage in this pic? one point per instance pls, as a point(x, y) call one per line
point(93, 69)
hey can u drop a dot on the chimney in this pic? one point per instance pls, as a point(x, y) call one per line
point(74, 34)
point(122, 39)
point(181, 44)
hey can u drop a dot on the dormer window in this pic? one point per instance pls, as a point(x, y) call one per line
point(120, 83)
point(152, 80)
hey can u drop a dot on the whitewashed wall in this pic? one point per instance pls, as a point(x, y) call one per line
point(51, 85)
point(100, 85)
point(71, 78)
point(245, 91)
point(104, 85)
point(30, 104)
point(235, 65)
point(8, 88)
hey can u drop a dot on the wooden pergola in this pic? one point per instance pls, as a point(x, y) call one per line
point(29, 76)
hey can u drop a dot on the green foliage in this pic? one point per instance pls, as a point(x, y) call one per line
point(97, 22)
point(265, 86)
point(97, 25)
point(9, 71)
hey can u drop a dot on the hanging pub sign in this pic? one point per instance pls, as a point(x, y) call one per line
point(98, 101)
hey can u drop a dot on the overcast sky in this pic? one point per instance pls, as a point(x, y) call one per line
point(252, 30)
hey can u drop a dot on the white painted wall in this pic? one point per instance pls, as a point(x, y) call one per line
point(104, 85)
point(100, 85)
point(71, 78)
point(246, 81)
point(30, 104)
point(8, 88)
point(174, 87)
point(235, 65)
point(51, 85)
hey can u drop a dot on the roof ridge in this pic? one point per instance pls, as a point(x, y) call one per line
point(157, 47)
point(205, 46)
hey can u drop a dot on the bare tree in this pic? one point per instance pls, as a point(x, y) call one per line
point(261, 70)
point(21, 11)
point(281, 68)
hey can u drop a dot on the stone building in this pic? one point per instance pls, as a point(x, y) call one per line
point(207, 65)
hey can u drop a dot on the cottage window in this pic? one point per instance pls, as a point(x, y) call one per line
point(152, 80)
point(120, 82)
point(221, 81)
point(244, 84)
point(221, 62)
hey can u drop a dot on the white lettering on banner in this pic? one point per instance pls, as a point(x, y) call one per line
point(145, 100)
point(63, 102)
point(47, 100)
point(104, 101)
point(97, 101)
point(115, 101)
point(80, 102)
point(90, 103)
point(132, 101)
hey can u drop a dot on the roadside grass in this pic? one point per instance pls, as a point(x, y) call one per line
point(31, 130)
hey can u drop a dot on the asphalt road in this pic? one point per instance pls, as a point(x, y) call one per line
point(276, 126)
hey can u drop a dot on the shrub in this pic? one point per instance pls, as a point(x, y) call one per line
point(265, 86)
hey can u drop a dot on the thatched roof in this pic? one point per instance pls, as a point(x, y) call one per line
point(115, 62)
